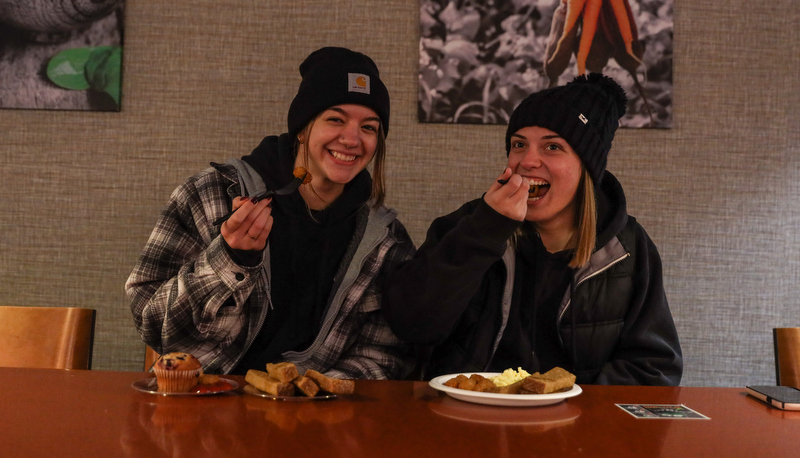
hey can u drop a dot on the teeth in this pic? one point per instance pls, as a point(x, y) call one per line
point(535, 186)
point(343, 157)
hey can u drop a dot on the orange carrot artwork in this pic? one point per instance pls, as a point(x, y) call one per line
point(591, 12)
point(624, 23)
point(588, 12)
point(574, 10)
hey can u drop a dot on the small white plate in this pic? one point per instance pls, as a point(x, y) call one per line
point(150, 386)
point(497, 399)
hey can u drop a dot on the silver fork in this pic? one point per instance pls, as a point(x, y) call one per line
point(288, 189)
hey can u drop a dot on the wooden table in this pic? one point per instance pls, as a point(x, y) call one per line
point(46, 413)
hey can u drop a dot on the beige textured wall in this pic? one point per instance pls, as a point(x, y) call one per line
point(205, 80)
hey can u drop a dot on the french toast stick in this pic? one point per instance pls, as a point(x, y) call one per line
point(306, 386)
point(284, 372)
point(331, 385)
point(510, 389)
point(556, 379)
point(262, 381)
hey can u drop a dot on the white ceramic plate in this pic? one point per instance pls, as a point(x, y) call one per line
point(497, 399)
point(150, 386)
point(250, 389)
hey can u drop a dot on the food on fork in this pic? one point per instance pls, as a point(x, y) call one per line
point(262, 381)
point(177, 372)
point(331, 385)
point(538, 188)
point(301, 172)
point(285, 372)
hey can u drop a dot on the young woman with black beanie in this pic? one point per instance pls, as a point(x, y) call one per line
point(294, 277)
point(546, 269)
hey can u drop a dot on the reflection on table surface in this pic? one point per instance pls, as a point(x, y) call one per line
point(545, 417)
point(99, 413)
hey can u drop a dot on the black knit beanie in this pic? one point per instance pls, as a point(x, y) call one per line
point(585, 113)
point(333, 76)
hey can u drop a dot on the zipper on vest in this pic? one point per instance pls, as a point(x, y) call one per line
point(344, 289)
point(586, 278)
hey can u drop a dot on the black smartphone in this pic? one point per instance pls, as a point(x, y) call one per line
point(782, 397)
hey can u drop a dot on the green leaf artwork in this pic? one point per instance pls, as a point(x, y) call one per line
point(66, 68)
point(79, 69)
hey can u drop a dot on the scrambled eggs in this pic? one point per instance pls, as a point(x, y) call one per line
point(509, 377)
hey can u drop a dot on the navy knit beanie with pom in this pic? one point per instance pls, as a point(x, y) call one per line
point(585, 112)
point(334, 76)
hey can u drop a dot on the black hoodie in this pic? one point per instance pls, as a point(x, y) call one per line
point(306, 251)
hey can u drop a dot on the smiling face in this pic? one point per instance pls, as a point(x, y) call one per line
point(554, 171)
point(341, 143)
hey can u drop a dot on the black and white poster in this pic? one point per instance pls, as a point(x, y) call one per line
point(61, 54)
point(479, 59)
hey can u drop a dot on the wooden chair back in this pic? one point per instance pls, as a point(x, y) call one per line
point(787, 356)
point(46, 337)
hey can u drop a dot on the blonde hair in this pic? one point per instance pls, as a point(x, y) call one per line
point(378, 194)
point(585, 235)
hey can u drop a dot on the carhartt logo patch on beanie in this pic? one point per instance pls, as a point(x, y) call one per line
point(358, 82)
point(585, 112)
point(335, 76)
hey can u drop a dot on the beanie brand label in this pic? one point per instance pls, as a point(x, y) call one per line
point(583, 118)
point(358, 82)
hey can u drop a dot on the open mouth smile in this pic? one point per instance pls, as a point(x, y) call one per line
point(538, 188)
point(342, 156)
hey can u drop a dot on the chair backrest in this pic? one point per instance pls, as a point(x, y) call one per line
point(46, 337)
point(787, 356)
point(150, 357)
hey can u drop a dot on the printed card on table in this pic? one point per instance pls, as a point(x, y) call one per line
point(651, 411)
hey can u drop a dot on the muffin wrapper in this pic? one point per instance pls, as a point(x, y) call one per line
point(173, 381)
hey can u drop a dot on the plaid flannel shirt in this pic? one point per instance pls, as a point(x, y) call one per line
point(187, 294)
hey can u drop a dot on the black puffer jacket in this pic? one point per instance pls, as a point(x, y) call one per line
point(616, 328)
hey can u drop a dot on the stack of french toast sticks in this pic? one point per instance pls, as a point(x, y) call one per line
point(283, 379)
point(552, 381)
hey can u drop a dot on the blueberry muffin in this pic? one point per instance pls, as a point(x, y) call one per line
point(177, 372)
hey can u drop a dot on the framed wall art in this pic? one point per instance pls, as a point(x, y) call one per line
point(479, 59)
point(61, 54)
